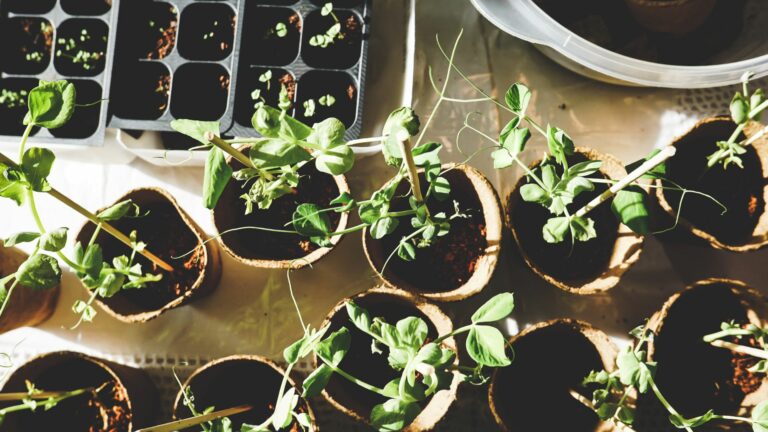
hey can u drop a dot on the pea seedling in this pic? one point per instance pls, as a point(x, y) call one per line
point(70, 48)
point(731, 330)
point(35, 398)
point(745, 107)
point(635, 373)
point(334, 32)
point(51, 105)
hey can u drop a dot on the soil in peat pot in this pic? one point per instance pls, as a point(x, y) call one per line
point(740, 190)
point(316, 84)
point(235, 382)
point(167, 236)
point(539, 381)
point(207, 31)
point(314, 187)
point(610, 24)
point(261, 43)
point(249, 82)
point(360, 361)
point(27, 49)
point(718, 379)
point(569, 262)
point(108, 411)
point(449, 261)
point(345, 50)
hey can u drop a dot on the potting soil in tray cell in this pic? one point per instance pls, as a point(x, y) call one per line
point(207, 31)
point(86, 7)
point(200, 91)
point(81, 47)
point(27, 45)
point(258, 85)
point(148, 30)
point(86, 118)
point(145, 95)
point(13, 104)
point(324, 94)
point(332, 41)
point(35, 7)
point(271, 36)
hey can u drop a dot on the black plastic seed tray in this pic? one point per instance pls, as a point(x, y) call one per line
point(163, 74)
point(53, 40)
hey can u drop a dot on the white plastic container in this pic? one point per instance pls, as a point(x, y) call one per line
point(524, 19)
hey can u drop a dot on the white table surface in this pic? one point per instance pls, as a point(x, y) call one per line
point(251, 311)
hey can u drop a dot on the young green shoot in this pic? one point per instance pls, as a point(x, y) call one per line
point(333, 33)
point(35, 399)
point(733, 331)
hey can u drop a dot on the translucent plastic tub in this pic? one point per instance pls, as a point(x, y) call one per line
point(526, 20)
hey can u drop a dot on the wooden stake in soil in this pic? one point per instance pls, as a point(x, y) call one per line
point(194, 421)
point(8, 397)
point(93, 218)
point(741, 349)
point(657, 159)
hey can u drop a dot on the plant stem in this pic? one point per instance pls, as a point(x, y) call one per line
point(459, 330)
point(227, 148)
point(41, 228)
point(8, 294)
point(350, 378)
point(648, 165)
point(725, 333)
point(366, 140)
point(413, 173)
point(56, 400)
point(664, 400)
point(741, 349)
point(24, 138)
point(348, 230)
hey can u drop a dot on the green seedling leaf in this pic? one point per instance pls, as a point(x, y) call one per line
point(556, 229)
point(629, 206)
point(93, 260)
point(657, 172)
point(39, 272)
point(495, 309)
point(273, 123)
point(217, 175)
point(394, 415)
point(54, 241)
point(273, 153)
point(346, 201)
point(316, 381)
point(560, 144)
point(487, 346)
point(517, 98)
point(760, 417)
point(329, 133)
point(412, 332)
point(197, 129)
point(326, 9)
point(123, 209)
point(739, 109)
point(11, 185)
point(684, 423)
point(383, 227)
point(584, 169)
point(335, 161)
point(19, 238)
point(51, 104)
point(359, 316)
point(84, 310)
point(406, 251)
point(36, 164)
point(283, 415)
point(333, 349)
point(310, 222)
point(633, 371)
point(401, 125)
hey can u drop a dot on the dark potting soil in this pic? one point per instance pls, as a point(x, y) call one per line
point(147, 30)
point(316, 84)
point(344, 52)
point(740, 190)
point(86, 7)
point(540, 380)
point(339, 3)
point(28, 45)
point(167, 236)
point(609, 24)
point(107, 411)
point(314, 187)
point(694, 375)
point(85, 119)
point(13, 104)
point(569, 262)
point(261, 43)
point(207, 31)
point(450, 260)
point(164, 32)
point(249, 82)
point(238, 382)
point(81, 46)
point(28, 6)
point(195, 82)
point(360, 362)
point(143, 93)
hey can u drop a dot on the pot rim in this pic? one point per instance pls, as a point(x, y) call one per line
point(486, 263)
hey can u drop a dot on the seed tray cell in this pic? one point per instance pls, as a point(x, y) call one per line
point(337, 70)
point(53, 40)
point(176, 59)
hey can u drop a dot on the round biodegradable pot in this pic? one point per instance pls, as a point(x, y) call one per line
point(590, 267)
point(694, 375)
point(551, 360)
point(677, 17)
point(168, 232)
point(126, 399)
point(457, 265)
point(392, 305)
point(26, 307)
point(239, 380)
point(744, 192)
point(263, 249)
